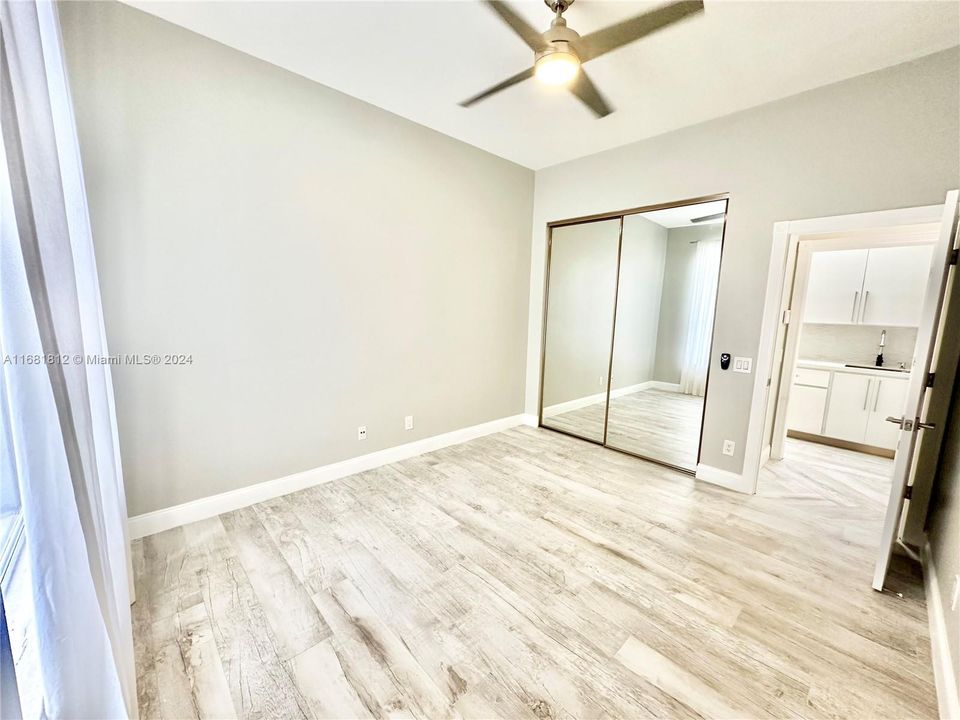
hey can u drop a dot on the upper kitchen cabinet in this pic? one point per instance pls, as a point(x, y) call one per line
point(893, 285)
point(879, 286)
point(835, 282)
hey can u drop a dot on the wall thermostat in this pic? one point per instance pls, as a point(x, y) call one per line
point(724, 361)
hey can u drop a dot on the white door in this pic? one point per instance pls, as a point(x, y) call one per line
point(850, 398)
point(910, 423)
point(834, 285)
point(893, 285)
point(888, 397)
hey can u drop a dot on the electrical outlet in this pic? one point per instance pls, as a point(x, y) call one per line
point(743, 365)
point(729, 447)
point(408, 422)
point(362, 432)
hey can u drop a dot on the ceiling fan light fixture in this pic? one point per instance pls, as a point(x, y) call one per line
point(558, 67)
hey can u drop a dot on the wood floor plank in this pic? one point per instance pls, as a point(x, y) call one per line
point(292, 617)
point(675, 680)
point(319, 676)
point(528, 574)
point(201, 660)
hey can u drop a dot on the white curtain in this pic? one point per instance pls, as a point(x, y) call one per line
point(699, 326)
point(65, 561)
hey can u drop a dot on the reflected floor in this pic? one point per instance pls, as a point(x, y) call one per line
point(657, 424)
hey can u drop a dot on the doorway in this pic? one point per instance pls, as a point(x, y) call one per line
point(856, 335)
point(628, 327)
point(850, 338)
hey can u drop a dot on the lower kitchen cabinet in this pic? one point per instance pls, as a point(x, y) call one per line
point(851, 406)
point(847, 413)
point(888, 399)
point(806, 409)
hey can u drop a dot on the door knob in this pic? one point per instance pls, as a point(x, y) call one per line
point(906, 424)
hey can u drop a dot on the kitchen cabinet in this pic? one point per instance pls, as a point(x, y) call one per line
point(806, 408)
point(889, 397)
point(845, 404)
point(847, 413)
point(893, 285)
point(876, 286)
point(834, 285)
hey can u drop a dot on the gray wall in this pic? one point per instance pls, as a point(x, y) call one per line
point(889, 139)
point(327, 264)
point(583, 285)
point(675, 306)
point(943, 524)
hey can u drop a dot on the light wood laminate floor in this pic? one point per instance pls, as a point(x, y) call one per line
point(532, 575)
point(657, 424)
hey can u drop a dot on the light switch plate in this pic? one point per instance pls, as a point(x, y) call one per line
point(408, 422)
point(743, 365)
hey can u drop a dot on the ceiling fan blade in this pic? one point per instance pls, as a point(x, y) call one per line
point(519, 77)
point(521, 27)
point(584, 89)
point(610, 38)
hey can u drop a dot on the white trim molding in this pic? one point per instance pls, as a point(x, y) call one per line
point(171, 517)
point(944, 674)
point(771, 318)
point(724, 478)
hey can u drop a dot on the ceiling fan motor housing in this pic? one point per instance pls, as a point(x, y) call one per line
point(559, 38)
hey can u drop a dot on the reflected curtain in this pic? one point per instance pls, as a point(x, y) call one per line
point(65, 563)
point(699, 326)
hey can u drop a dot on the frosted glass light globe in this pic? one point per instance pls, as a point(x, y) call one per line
point(557, 68)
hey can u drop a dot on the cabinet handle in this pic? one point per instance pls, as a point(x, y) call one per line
point(876, 397)
point(853, 310)
point(866, 395)
point(863, 307)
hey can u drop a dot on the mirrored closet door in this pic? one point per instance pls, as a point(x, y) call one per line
point(579, 328)
point(629, 327)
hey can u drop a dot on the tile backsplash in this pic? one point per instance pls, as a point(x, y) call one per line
point(856, 343)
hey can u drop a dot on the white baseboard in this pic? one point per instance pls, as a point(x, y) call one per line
point(578, 403)
point(944, 676)
point(171, 517)
point(725, 478)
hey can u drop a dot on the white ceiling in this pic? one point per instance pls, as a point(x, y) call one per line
point(419, 59)
point(681, 216)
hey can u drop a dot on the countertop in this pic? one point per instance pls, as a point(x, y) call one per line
point(887, 371)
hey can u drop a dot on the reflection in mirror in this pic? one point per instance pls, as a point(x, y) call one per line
point(579, 327)
point(669, 269)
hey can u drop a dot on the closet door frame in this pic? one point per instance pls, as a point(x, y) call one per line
point(600, 217)
point(613, 332)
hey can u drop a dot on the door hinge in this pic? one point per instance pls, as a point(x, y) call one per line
point(786, 317)
point(908, 492)
point(954, 256)
point(930, 377)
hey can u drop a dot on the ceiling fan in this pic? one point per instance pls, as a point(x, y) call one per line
point(559, 52)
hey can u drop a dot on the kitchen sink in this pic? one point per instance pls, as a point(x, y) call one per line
point(874, 367)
